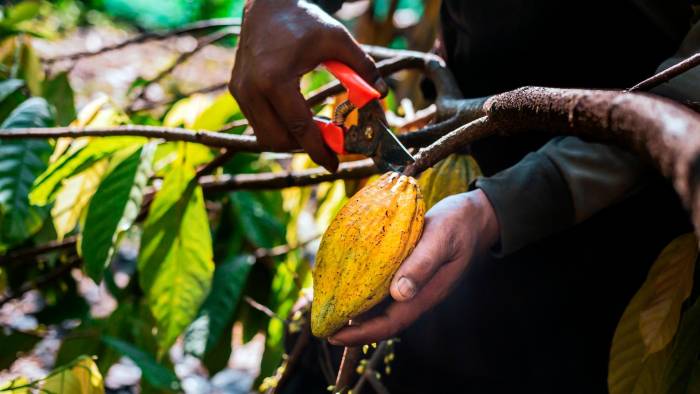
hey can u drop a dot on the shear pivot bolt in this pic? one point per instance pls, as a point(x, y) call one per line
point(369, 133)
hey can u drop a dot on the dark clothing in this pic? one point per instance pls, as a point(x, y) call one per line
point(496, 46)
point(541, 319)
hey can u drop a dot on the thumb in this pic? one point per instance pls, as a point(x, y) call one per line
point(428, 256)
point(351, 54)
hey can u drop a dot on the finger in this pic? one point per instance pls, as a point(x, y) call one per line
point(429, 254)
point(296, 116)
point(269, 130)
point(400, 315)
point(351, 54)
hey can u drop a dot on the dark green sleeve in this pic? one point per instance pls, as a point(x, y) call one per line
point(564, 183)
point(569, 180)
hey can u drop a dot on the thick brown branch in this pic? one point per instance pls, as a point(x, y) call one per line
point(278, 180)
point(151, 36)
point(654, 127)
point(667, 74)
point(204, 137)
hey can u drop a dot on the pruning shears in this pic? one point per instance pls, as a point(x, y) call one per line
point(370, 137)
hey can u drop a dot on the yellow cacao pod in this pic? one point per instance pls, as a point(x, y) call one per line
point(362, 248)
point(450, 176)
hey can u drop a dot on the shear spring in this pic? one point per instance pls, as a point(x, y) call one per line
point(342, 111)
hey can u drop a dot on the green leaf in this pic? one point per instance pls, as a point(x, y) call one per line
point(216, 312)
point(22, 11)
point(9, 86)
point(21, 161)
point(175, 263)
point(258, 216)
point(14, 344)
point(218, 360)
point(58, 92)
point(113, 209)
point(283, 296)
point(30, 68)
point(83, 377)
point(76, 161)
point(11, 95)
point(156, 374)
point(217, 114)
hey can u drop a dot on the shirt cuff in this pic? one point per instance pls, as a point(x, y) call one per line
point(531, 201)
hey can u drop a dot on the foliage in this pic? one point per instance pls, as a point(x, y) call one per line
point(198, 262)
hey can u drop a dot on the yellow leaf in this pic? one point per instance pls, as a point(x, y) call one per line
point(74, 196)
point(671, 281)
point(89, 111)
point(9, 387)
point(215, 116)
point(186, 111)
point(632, 368)
point(82, 378)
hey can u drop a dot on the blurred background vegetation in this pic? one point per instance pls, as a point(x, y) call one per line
point(58, 317)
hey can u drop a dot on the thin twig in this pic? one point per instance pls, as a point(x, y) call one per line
point(201, 44)
point(217, 162)
point(667, 74)
point(233, 125)
point(371, 367)
point(27, 253)
point(51, 276)
point(151, 36)
point(281, 250)
point(265, 310)
point(293, 358)
point(156, 104)
point(348, 367)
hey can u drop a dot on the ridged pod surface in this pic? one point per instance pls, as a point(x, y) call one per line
point(450, 176)
point(362, 249)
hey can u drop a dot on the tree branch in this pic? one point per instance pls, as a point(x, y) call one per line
point(152, 36)
point(348, 367)
point(279, 180)
point(50, 277)
point(201, 44)
point(209, 138)
point(28, 253)
point(667, 74)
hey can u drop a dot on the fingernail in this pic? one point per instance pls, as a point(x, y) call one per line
point(334, 342)
point(381, 86)
point(406, 287)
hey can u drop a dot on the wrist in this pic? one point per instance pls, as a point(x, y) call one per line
point(482, 215)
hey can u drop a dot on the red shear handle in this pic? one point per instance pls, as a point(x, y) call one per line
point(359, 91)
point(333, 135)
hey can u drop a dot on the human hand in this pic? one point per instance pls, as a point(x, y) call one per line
point(456, 229)
point(280, 41)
